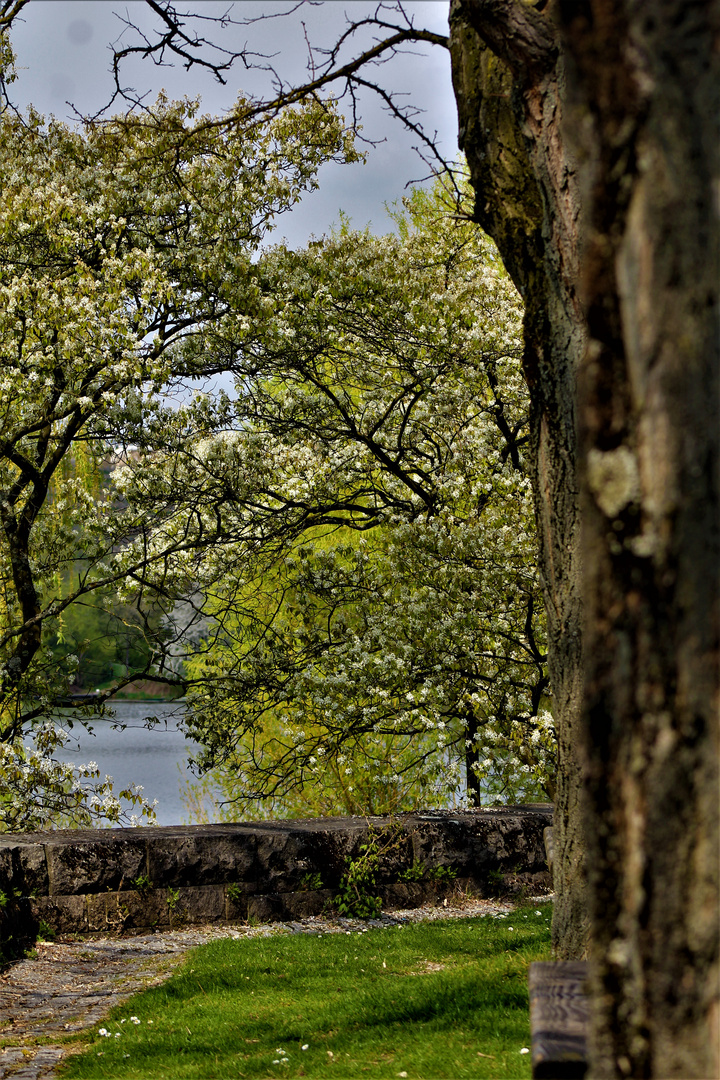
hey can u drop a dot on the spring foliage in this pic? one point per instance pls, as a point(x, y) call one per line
point(372, 638)
point(118, 243)
point(336, 560)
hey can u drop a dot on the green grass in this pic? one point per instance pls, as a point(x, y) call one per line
point(433, 1000)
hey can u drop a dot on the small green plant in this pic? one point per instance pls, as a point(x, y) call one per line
point(356, 896)
point(143, 884)
point(234, 893)
point(45, 931)
point(423, 872)
point(442, 874)
point(311, 882)
point(496, 878)
point(14, 894)
point(358, 884)
point(173, 902)
point(416, 872)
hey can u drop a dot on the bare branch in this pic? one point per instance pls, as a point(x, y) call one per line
point(9, 10)
point(178, 39)
point(179, 43)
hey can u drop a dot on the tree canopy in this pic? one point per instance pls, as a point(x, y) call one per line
point(118, 242)
point(345, 543)
point(378, 611)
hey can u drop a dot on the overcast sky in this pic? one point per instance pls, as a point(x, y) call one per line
point(63, 56)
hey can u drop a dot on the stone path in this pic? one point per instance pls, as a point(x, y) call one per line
point(70, 985)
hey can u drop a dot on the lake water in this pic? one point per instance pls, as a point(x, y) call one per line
point(156, 758)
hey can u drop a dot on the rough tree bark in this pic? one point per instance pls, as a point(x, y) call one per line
point(644, 93)
point(508, 73)
point(631, 90)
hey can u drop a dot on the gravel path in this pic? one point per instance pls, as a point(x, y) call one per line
point(70, 985)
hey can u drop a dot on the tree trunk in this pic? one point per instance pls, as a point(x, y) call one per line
point(644, 87)
point(642, 113)
point(510, 112)
point(472, 759)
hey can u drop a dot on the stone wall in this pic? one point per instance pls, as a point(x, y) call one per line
point(96, 880)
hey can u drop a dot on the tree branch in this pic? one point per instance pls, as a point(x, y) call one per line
point(176, 40)
point(9, 10)
point(521, 36)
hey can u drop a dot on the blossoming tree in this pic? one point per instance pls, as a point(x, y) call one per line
point(117, 242)
point(375, 631)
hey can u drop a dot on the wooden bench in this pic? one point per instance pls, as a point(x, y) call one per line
point(559, 1013)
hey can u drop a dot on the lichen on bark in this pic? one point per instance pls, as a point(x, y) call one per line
point(510, 117)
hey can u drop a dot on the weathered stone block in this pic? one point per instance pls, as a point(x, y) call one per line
point(26, 866)
point(96, 913)
point(281, 859)
point(6, 868)
point(290, 851)
point(266, 908)
point(299, 905)
point(107, 913)
point(65, 914)
point(209, 854)
point(410, 894)
point(526, 884)
point(479, 843)
point(87, 865)
point(197, 903)
point(466, 886)
point(147, 910)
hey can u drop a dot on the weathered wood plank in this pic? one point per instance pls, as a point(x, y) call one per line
point(559, 1010)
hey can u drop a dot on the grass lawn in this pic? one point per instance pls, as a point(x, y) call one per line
point(435, 999)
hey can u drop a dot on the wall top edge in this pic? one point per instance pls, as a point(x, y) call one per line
point(328, 824)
